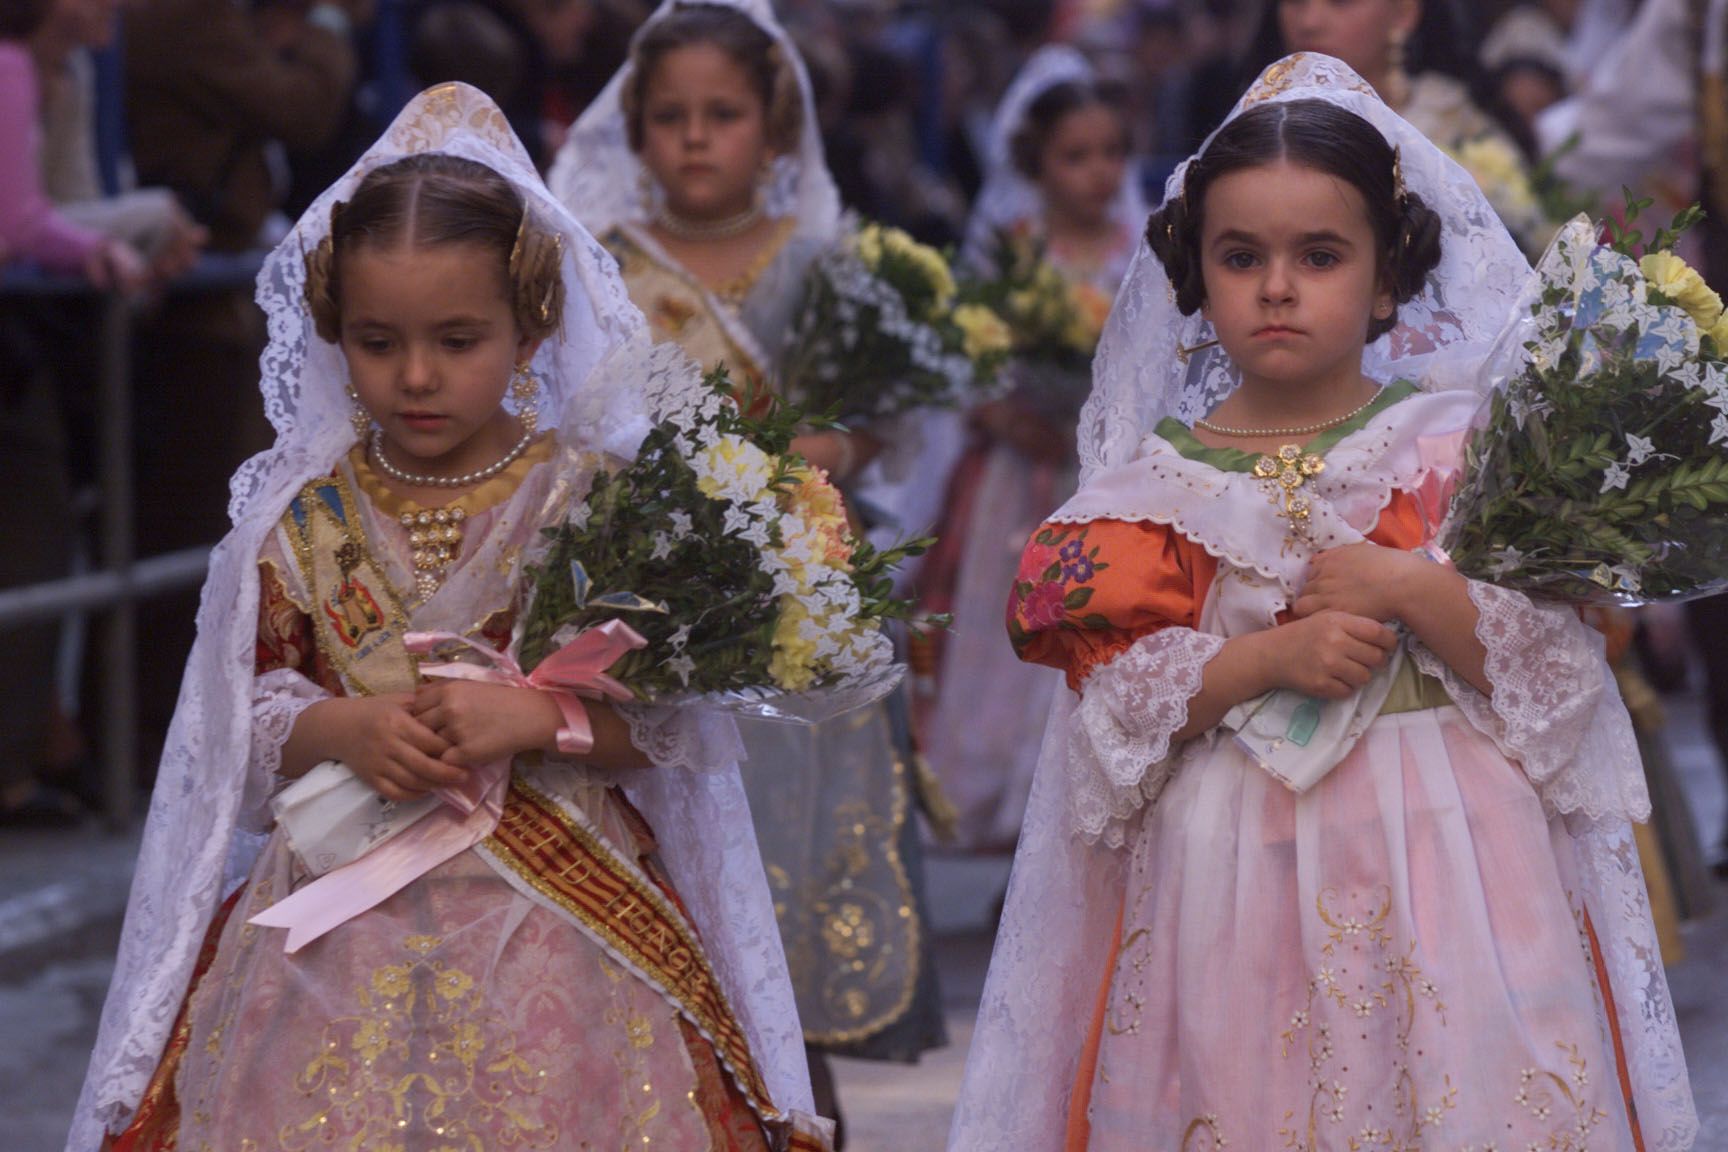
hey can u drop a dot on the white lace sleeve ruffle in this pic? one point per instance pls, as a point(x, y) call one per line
point(278, 698)
point(684, 737)
point(1119, 756)
point(1556, 710)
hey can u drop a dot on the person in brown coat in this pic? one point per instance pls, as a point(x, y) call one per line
point(218, 94)
point(213, 86)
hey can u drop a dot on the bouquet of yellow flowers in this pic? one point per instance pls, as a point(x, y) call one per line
point(879, 331)
point(1056, 322)
point(730, 556)
point(1600, 472)
point(1051, 316)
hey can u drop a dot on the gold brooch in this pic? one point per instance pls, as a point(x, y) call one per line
point(1284, 478)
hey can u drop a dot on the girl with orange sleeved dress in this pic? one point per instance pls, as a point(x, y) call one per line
point(1329, 845)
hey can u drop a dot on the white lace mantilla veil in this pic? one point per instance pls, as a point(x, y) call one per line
point(1007, 196)
point(601, 382)
point(1051, 953)
point(597, 174)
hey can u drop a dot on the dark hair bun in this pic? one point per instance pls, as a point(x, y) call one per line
point(1171, 232)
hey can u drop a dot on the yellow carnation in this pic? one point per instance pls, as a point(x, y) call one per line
point(733, 468)
point(1719, 333)
point(823, 508)
point(1678, 281)
point(983, 330)
point(1500, 173)
point(1090, 309)
point(870, 246)
point(793, 664)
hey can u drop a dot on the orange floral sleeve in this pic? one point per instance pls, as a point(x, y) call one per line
point(1085, 592)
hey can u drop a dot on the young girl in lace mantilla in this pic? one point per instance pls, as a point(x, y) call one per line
point(1059, 198)
point(1329, 846)
point(700, 167)
point(512, 919)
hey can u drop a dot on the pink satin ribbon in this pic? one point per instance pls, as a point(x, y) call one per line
point(469, 813)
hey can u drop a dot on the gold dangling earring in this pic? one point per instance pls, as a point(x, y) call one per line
point(525, 390)
point(358, 416)
point(645, 189)
point(1397, 80)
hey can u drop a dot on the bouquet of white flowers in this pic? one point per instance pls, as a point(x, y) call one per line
point(879, 331)
point(1600, 473)
point(730, 556)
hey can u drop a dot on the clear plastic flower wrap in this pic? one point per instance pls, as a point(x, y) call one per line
point(1598, 471)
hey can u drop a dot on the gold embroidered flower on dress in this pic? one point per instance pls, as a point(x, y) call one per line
point(391, 981)
point(452, 983)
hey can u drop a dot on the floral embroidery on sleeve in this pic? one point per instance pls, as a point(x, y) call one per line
point(1054, 584)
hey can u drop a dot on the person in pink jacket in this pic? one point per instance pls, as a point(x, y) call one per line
point(30, 228)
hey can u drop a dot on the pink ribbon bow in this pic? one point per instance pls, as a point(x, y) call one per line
point(469, 813)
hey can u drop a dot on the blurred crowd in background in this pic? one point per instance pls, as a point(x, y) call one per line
point(155, 147)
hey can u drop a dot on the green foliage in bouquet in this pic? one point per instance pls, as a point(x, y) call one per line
point(1600, 474)
point(879, 331)
point(730, 556)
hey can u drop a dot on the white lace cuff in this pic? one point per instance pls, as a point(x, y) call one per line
point(684, 736)
point(1555, 710)
point(278, 698)
point(1119, 755)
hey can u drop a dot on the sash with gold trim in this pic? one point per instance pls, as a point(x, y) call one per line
point(357, 617)
point(544, 846)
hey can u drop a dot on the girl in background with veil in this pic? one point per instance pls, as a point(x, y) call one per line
point(1057, 191)
point(1328, 847)
point(586, 957)
point(700, 168)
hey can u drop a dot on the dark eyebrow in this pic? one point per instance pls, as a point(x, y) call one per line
point(1324, 236)
point(442, 326)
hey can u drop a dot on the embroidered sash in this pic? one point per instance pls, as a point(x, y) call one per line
point(356, 615)
point(541, 845)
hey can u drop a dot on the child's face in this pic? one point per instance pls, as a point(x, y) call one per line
point(704, 132)
point(1291, 272)
point(1358, 32)
point(1082, 165)
point(431, 344)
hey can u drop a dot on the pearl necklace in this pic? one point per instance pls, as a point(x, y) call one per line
point(1301, 430)
point(687, 229)
point(473, 477)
